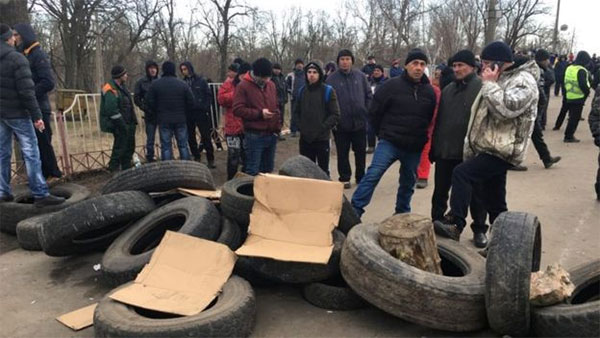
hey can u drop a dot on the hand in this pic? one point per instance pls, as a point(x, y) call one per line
point(490, 75)
point(39, 125)
point(267, 115)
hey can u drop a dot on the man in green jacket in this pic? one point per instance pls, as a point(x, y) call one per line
point(318, 112)
point(118, 117)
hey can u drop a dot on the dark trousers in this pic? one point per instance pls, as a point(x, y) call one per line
point(123, 147)
point(317, 152)
point(235, 154)
point(441, 191)
point(537, 137)
point(294, 119)
point(557, 86)
point(150, 139)
point(205, 140)
point(371, 137)
point(543, 110)
point(282, 113)
point(260, 151)
point(575, 110)
point(343, 141)
point(597, 185)
point(564, 109)
point(47, 155)
point(487, 172)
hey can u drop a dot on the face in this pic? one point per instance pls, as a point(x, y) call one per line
point(276, 71)
point(461, 70)
point(345, 63)
point(299, 66)
point(18, 39)
point(372, 61)
point(416, 69)
point(312, 75)
point(123, 78)
point(11, 41)
point(545, 63)
point(231, 74)
point(377, 73)
point(184, 70)
point(153, 71)
point(437, 74)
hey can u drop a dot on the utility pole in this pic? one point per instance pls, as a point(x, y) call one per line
point(490, 32)
point(555, 36)
point(98, 57)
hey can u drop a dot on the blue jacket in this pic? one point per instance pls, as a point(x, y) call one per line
point(41, 71)
point(354, 97)
point(202, 94)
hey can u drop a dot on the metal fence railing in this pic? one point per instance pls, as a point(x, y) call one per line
point(81, 146)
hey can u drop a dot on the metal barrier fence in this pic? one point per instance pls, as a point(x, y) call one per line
point(81, 146)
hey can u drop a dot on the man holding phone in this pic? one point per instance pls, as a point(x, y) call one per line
point(500, 127)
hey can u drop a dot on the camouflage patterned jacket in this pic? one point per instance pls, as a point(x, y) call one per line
point(594, 118)
point(503, 115)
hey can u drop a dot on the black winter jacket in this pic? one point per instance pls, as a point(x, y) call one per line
point(170, 99)
point(41, 70)
point(201, 92)
point(17, 91)
point(594, 118)
point(282, 90)
point(354, 98)
point(402, 111)
point(453, 117)
point(141, 88)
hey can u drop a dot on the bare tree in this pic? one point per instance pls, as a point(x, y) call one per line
point(137, 20)
point(167, 25)
point(13, 12)
point(520, 19)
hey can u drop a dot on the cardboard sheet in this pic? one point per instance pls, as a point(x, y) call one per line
point(79, 319)
point(292, 219)
point(183, 277)
point(209, 194)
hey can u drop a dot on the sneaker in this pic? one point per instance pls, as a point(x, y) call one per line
point(48, 200)
point(551, 161)
point(370, 150)
point(518, 168)
point(347, 185)
point(7, 198)
point(421, 183)
point(480, 239)
point(211, 165)
point(571, 140)
point(448, 230)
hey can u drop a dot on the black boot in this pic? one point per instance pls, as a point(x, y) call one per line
point(480, 239)
point(518, 168)
point(447, 228)
point(48, 200)
point(551, 161)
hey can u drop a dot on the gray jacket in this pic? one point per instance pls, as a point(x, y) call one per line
point(354, 97)
point(503, 115)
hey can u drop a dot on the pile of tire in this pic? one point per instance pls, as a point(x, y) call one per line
point(473, 292)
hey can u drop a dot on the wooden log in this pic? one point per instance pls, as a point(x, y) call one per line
point(410, 238)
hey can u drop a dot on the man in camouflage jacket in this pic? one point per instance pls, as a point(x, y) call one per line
point(594, 120)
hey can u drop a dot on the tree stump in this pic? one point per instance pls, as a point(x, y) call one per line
point(410, 238)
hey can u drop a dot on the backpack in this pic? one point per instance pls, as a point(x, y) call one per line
point(328, 90)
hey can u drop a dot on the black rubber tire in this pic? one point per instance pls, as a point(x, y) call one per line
point(132, 250)
point(513, 253)
point(22, 207)
point(232, 315)
point(301, 166)
point(231, 234)
point(333, 294)
point(92, 224)
point(161, 200)
point(451, 302)
point(162, 176)
point(237, 199)
point(294, 272)
point(27, 232)
point(580, 315)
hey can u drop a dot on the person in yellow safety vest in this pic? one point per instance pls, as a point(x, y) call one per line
point(577, 88)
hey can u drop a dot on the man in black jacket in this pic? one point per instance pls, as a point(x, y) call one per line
point(170, 99)
point(198, 117)
point(594, 121)
point(282, 91)
point(141, 88)
point(400, 113)
point(448, 139)
point(19, 113)
point(44, 83)
point(542, 57)
point(318, 112)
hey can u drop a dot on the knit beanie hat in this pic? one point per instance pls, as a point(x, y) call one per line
point(464, 56)
point(497, 51)
point(262, 67)
point(234, 67)
point(276, 66)
point(117, 71)
point(298, 60)
point(542, 55)
point(345, 52)
point(416, 54)
point(245, 67)
point(5, 32)
point(168, 68)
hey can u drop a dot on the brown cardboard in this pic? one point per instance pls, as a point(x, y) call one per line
point(183, 277)
point(79, 319)
point(292, 219)
point(209, 194)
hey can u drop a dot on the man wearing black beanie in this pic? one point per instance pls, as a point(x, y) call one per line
point(171, 100)
point(354, 97)
point(500, 127)
point(294, 81)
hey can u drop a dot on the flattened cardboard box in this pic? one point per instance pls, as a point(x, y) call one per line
point(79, 319)
point(184, 275)
point(292, 219)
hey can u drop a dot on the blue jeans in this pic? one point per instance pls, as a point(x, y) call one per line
point(385, 155)
point(23, 129)
point(150, 139)
point(166, 132)
point(260, 153)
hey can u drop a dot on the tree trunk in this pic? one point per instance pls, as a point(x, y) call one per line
point(13, 12)
point(410, 238)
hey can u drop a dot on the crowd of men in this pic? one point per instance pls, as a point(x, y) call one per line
point(473, 120)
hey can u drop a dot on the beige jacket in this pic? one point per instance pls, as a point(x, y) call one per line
point(503, 115)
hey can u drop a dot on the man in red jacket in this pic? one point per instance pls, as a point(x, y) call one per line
point(234, 129)
point(255, 101)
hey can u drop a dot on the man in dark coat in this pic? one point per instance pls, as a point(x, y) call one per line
point(369, 67)
point(400, 113)
point(354, 97)
point(594, 121)
point(295, 81)
point(141, 88)
point(199, 117)
point(170, 99)
point(542, 57)
point(19, 114)
point(282, 92)
point(559, 74)
point(41, 72)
